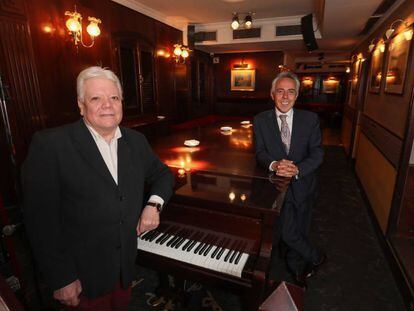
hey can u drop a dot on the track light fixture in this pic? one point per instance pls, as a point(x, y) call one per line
point(235, 21)
point(247, 22)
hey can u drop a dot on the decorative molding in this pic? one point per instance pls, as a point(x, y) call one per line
point(136, 6)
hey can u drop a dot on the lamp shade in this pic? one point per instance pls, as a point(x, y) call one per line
point(73, 24)
point(93, 29)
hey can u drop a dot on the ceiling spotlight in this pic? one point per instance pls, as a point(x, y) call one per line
point(248, 21)
point(235, 21)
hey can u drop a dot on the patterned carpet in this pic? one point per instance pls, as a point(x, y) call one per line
point(356, 276)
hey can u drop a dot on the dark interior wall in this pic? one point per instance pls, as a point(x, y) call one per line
point(245, 102)
point(58, 61)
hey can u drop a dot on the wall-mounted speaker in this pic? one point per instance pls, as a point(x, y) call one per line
point(191, 36)
point(306, 25)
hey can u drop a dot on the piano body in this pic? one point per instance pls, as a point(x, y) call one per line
point(217, 228)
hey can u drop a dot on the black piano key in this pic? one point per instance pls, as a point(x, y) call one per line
point(215, 251)
point(171, 241)
point(187, 244)
point(237, 249)
point(179, 242)
point(203, 248)
point(189, 248)
point(165, 239)
point(220, 252)
point(233, 256)
point(153, 237)
point(199, 246)
point(161, 237)
point(228, 255)
point(152, 234)
point(142, 236)
point(208, 250)
point(238, 257)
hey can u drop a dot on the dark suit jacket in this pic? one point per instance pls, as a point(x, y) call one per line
point(80, 223)
point(305, 148)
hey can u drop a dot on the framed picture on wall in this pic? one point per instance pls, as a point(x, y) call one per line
point(398, 51)
point(377, 61)
point(330, 86)
point(243, 79)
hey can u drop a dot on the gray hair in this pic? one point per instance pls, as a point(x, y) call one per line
point(95, 72)
point(289, 75)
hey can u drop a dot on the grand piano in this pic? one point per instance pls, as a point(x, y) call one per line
point(217, 227)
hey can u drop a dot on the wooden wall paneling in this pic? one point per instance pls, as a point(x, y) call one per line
point(18, 69)
point(404, 186)
point(378, 178)
point(181, 85)
point(386, 142)
point(405, 225)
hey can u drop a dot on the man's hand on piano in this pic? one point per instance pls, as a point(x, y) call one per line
point(149, 220)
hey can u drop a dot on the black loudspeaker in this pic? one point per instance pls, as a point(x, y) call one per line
point(286, 297)
point(306, 26)
point(191, 36)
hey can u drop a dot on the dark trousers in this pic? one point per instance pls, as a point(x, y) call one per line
point(293, 227)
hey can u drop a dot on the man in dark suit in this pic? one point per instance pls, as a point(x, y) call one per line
point(83, 194)
point(288, 142)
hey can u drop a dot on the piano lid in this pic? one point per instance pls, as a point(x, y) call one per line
point(231, 190)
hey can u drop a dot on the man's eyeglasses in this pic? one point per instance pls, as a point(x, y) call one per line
point(288, 92)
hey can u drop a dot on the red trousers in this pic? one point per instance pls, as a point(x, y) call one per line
point(117, 300)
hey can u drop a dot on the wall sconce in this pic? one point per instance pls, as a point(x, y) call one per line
point(248, 20)
point(74, 25)
point(181, 52)
point(408, 31)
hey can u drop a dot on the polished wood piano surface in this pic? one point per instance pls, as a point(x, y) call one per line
point(217, 228)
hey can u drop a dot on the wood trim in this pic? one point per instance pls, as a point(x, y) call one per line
point(402, 170)
point(349, 112)
point(386, 142)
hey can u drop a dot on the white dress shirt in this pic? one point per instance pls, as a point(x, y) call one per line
point(109, 153)
point(289, 121)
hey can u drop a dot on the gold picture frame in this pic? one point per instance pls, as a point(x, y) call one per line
point(377, 64)
point(398, 52)
point(243, 79)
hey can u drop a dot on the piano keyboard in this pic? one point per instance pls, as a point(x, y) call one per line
point(206, 250)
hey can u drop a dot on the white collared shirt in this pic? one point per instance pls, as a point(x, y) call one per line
point(109, 152)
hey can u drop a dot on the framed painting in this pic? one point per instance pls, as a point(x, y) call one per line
point(330, 86)
point(243, 79)
point(398, 52)
point(377, 61)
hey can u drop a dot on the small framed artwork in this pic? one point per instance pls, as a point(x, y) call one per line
point(398, 52)
point(243, 79)
point(330, 86)
point(377, 61)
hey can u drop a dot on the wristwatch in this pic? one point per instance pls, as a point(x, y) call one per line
point(158, 206)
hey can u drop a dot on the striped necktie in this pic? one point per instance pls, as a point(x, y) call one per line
point(284, 132)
